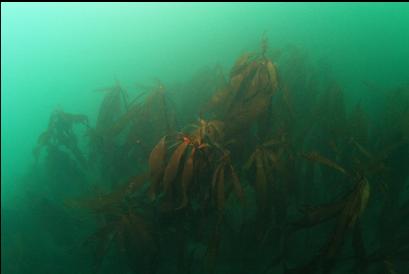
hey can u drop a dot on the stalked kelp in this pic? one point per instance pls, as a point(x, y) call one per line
point(60, 134)
point(246, 99)
point(248, 175)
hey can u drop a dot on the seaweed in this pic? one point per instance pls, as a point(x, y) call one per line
point(262, 166)
point(60, 133)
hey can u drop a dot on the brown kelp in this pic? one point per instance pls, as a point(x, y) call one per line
point(267, 170)
point(60, 133)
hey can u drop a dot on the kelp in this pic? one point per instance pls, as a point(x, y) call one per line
point(192, 98)
point(124, 225)
point(130, 233)
point(111, 107)
point(154, 118)
point(192, 153)
point(157, 165)
point(110, 201)
point(269, 161)
point(172, 168)
point(248, 95)
point(314, 156)
point(222, 171)
point(60, 133)
point(262, 166)
point(347, 211)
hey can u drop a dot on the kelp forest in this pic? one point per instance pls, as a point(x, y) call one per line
point(264, 168)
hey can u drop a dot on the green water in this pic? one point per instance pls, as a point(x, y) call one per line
point(58, 55)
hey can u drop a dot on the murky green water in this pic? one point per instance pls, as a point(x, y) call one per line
point(286, 145)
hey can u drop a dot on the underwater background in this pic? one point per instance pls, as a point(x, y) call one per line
point(286, 148)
